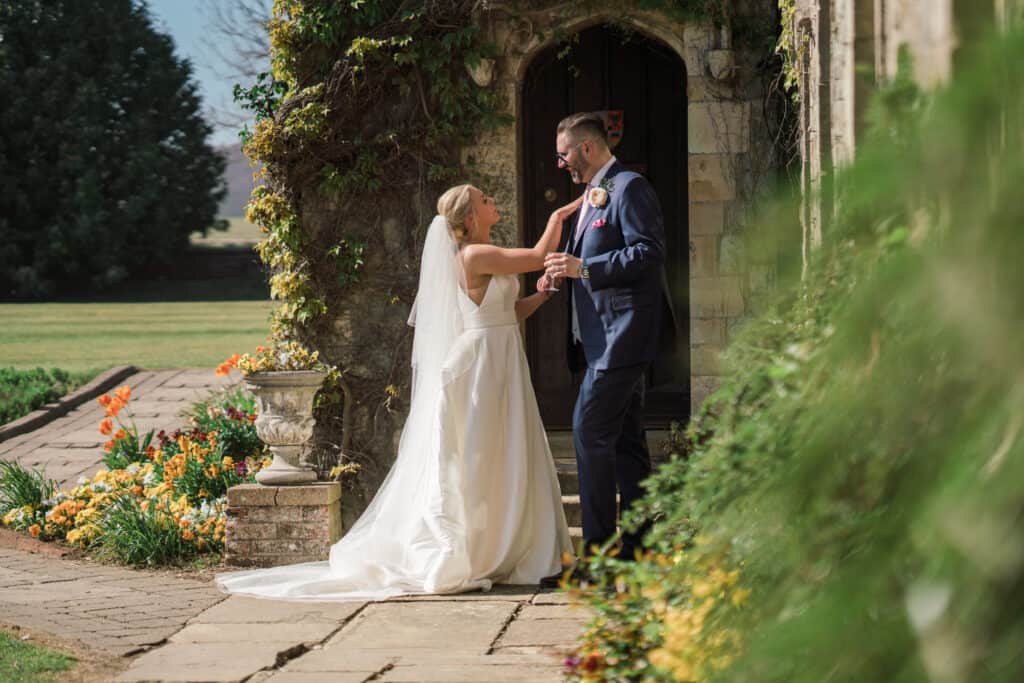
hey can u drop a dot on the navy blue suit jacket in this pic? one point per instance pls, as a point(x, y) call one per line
point(623, 245)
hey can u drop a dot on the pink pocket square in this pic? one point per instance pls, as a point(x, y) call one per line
point(598, 223)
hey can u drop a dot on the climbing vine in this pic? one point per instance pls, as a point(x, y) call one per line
point(394, 107)
point(790, 45)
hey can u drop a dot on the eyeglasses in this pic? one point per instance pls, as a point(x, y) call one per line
point(561, 156)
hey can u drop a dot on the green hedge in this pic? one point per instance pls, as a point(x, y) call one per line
point(847, 506)
point(22, 391)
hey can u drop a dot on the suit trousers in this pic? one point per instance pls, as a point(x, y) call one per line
point(611, 451)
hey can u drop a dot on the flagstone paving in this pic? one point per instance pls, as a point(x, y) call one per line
point(169, 628)
point(175, 629)
point(116, 610)
point(443, 638)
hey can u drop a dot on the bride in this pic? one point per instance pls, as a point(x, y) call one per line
point(473, 498)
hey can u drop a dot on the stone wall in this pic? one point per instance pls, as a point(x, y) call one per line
point(849, 48)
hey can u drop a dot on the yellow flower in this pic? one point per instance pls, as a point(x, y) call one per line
point(740, 596)
point(702, 589)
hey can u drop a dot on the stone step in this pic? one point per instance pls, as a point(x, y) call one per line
point(573, 511)
point(568, 479)
point(564, 453)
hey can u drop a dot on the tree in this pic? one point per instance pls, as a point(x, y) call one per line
point(104, 160)
point(238, 44)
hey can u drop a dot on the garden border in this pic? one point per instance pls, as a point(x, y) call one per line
point(15, 540)
point(62, 406)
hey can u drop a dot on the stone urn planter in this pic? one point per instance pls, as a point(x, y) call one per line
point(285, 421)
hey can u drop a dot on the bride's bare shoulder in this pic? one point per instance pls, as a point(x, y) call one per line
point(474, 252)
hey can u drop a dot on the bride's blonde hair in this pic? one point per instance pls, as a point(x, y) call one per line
point(455, 204)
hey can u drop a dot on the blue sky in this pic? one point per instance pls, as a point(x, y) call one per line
point(187, 22)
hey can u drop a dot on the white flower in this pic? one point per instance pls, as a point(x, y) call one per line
point(597, 197)
point(132, 468)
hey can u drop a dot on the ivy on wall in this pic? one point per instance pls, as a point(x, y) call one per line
point(375, 92)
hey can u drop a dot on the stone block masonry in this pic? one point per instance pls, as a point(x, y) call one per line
point(274, 525)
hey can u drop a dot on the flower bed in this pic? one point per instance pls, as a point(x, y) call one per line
point(162, 496)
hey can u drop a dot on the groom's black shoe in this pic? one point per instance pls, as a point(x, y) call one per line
point(572, 576)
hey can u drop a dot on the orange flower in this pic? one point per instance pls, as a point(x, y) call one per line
point(119, 434)
point(34, 530)
point(188, 535)
point(114, 407)
point(225, 367)
point(106, 426)
point(124, 393)
point(108, 446)
point(104, 400)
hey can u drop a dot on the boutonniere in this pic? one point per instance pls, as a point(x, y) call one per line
point(598, 196)
point(598, 223)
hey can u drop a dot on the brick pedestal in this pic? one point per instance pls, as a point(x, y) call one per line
point(274, 525)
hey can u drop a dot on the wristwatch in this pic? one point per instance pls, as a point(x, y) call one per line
point(584, 271)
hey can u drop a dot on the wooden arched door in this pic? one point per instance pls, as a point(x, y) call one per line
point(607, 70)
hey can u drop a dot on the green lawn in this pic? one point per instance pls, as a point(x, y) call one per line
point(96, 336)
point(24, 661)
point(239, 233)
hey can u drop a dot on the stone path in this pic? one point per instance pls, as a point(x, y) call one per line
point(185, 630)
point(70, 446)
point(508, 634)
point(112, 609)
point(175, 629)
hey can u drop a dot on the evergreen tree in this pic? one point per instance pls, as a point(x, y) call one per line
point(105, 168)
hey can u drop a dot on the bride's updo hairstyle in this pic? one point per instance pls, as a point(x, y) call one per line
point(455, 204)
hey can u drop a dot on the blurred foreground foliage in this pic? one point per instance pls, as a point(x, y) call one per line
point(848, 506)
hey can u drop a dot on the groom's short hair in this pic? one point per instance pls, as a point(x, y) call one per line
point(584, 126)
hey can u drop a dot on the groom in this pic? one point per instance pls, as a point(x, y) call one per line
point(614, 258)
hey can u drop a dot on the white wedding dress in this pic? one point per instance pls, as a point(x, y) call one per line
point(473, 497)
